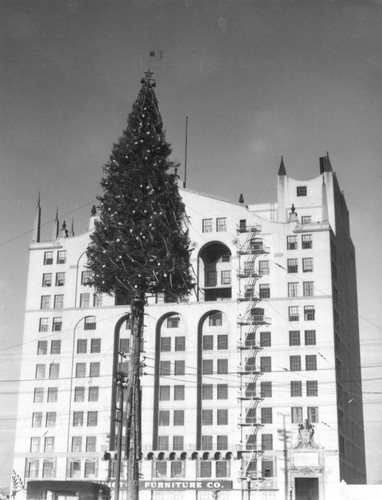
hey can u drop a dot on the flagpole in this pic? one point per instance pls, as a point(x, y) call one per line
point(185, 155)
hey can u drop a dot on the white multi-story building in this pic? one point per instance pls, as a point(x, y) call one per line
point(252, 387)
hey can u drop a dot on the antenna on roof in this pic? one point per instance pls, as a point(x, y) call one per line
point(185, 155)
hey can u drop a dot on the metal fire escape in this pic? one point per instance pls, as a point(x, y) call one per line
point(250, 319)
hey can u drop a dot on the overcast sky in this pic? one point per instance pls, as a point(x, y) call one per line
point(257, 78)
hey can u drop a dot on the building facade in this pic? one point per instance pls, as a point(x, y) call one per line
point(250, 388)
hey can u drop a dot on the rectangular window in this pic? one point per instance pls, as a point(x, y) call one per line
point(60, 279)
point(38, 395)
point(78, 418)
point(221, 468)
point(48, 258)
point(61, 257)
point(307, 265)
point(160, 469)
point(40, 371)
point(293, 314)
point(221, 224)
point(306, 219)
point(177, 442)
point(31, 468)
point(215, 319)
point(222, 391)
point(205, 467)
point(42, 347)
point(293, 289)
point(57, 324)
point(93, 393)
point(179, 367)
point(313, 414)
point(80, 370)
point(90, 323)
point(222, 417)
point(165, 368)
point(82, 346)
point(221, 442)
point(308, 288)
point(90, 468)
point(86, 277)
point(296, 415)
point(95, 369)
point(95, 346)
point(47, 279)
point(207, 366)
point(296, 388)
point(165, 344)
point(226, 277)
point(266, 389)
point(179, 392)
point(266, 415)
point(207, 417)
point(294, 337)
point(58, 301)
point(311, 362)
point(50, 419)
point(79, 394)
point(265, 364)
point(291, 242)
point(85, 300)
point(178, 417)
point(55, 347)
point(222, 366)
point(301, 191)
point(91, 443)
point(226, 258)
point(292, 265)
point(310, 337)
point(173, 322)
point(97, 300)
point(222, 342)
point(207, 391)
point(45, 302)
point(37, 419)
point(211, 278)
point(263, 267)
point(48, 469)
point(249, 269)
point(208, 342)
point(207, 226)
point(124, 345)
point(35, 445)
point(265, 339)
point(164, 393)
point(206, 442)
point(267, 468)
point(177, 469)
point(309, 313)
point(267, 442)
point(92, 419)
point(54, 370)
point(264, 291)
point(43, 325)
point(164, 417)
point(295, 363)
point(180, 344)
point(162, 443)
point(306, 241)
point(311, 388)
point(49, 444)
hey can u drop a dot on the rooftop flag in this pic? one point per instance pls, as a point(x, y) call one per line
point(156, 55)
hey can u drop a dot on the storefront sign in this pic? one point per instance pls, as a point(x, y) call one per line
point(185, 485)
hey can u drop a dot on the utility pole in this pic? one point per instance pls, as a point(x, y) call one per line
point(284, 436)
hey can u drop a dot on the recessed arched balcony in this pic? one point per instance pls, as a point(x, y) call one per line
point(215, 272)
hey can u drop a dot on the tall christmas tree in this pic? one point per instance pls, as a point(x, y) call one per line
point(140, 244)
